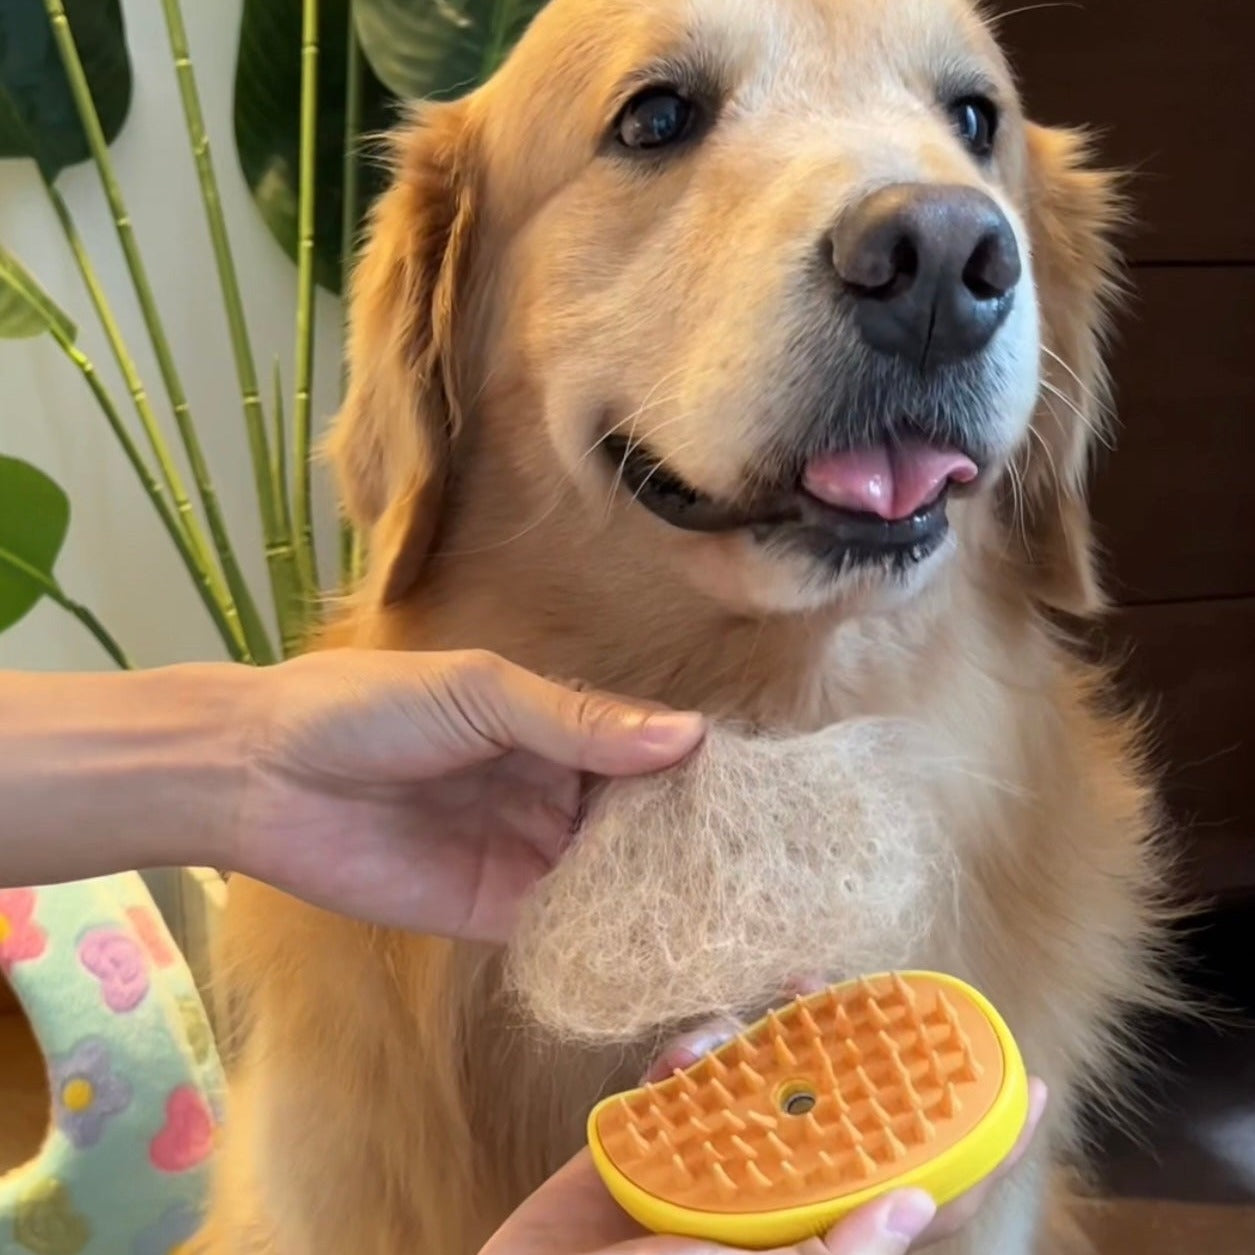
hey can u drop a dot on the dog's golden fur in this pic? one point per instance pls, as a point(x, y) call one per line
point(520, 285)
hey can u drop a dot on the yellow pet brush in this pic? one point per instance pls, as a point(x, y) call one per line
point(891, 1081)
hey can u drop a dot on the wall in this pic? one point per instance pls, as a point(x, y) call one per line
point(118, 559)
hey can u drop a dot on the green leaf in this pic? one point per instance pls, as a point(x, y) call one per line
point(439, 48)
point(268, 123)
point(37, 114)
point(34, 518)
point(25, 308)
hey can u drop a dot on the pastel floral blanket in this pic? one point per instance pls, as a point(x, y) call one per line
point(135, 1080)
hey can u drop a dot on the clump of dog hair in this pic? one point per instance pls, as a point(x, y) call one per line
point(704, 890)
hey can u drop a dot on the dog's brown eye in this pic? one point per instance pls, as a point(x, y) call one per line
point(976, 121)
point(654, 119)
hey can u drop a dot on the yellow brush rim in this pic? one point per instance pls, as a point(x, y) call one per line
point(952, 1173)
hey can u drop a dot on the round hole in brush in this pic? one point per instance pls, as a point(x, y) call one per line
point(796, 1099)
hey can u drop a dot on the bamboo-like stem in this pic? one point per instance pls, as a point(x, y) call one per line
point(52, 590)
point(494, 45)
point(355, 558)
point(353, 87)
point(293, 636)
point(280, 555)
point(143, 407)
point(347, 550)
point(254, 630)
point(121, 353)
point(228, 627)
point(302, 517)
point(200, 577)
point(39, 303)
point(350, 551)
point(279, 448)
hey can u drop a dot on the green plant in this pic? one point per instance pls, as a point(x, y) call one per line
point(34, 518)
point(313, 78)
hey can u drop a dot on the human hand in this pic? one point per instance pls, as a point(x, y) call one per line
point(429, 791)
point(572, 1213)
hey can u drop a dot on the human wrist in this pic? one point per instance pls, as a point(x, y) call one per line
point(193, 736)
point(112, 771)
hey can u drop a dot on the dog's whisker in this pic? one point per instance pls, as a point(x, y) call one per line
point(616, 428)
point(559, 495)
point(1103, 410)
point(517, 536)
point(1055, 479)
point(634, 442)
point(1085, 388)
point(650, 402)
point(647, 438)
point(491, 373)
point(1095, 429)
point(1084, 419)
point(615, 483)
point(658, 466)
point(994, 20)
point(1019, 520)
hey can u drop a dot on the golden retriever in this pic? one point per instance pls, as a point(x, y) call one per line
point(743, 355)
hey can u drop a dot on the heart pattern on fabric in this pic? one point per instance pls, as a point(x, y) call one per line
point(187, 1137)
point(152, 936)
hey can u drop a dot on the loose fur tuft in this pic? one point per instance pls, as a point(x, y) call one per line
point(693, 893)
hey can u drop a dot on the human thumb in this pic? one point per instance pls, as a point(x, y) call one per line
point(589, 731)
point(887, 1227)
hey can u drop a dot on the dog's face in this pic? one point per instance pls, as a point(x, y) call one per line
point(779, 275)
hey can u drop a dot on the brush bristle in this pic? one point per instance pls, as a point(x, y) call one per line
point(836, 1093)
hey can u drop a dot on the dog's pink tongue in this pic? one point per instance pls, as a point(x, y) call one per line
point(892, 481)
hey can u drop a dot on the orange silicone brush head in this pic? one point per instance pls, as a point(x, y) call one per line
point(895, 1080)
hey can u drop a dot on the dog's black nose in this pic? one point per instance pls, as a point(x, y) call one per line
point(932, 269)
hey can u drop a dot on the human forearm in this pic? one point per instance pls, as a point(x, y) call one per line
point(426, 791)
point(104, 772)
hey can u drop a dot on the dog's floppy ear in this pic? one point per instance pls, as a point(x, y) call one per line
point(392, 441)
point(1073, 210)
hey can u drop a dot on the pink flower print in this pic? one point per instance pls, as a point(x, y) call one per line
point(86, 1093)
point(118, 962)
point(187, 1137)
point(151, 936)
point(21, 939)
